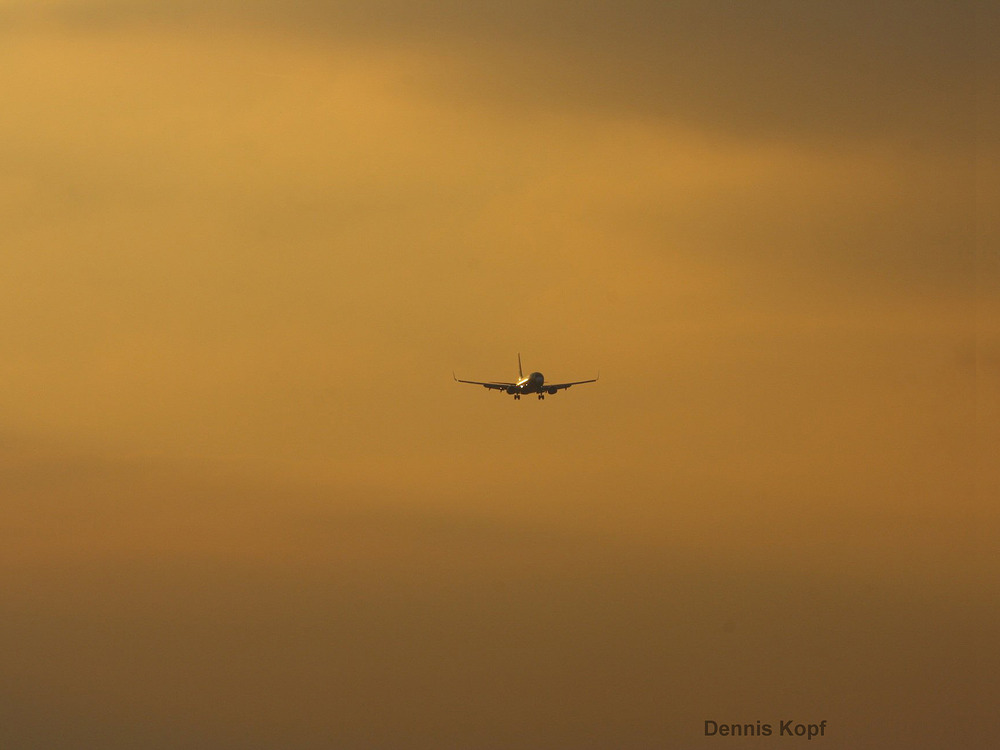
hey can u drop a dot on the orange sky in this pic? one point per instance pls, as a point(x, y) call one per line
point(244, 247)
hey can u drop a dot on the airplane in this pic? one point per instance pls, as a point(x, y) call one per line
point(534, 383)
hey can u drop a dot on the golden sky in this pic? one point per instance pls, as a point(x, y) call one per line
point(243, 246)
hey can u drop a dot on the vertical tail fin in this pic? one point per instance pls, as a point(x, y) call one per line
point(520, 374)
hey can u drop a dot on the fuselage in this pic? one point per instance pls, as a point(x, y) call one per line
point(534, 383)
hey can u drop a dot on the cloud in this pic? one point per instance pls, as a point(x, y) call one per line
point(273, 211)
point(774, 71)
point(246, 244)
point(227, 610)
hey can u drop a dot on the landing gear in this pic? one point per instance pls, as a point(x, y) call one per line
point(517, 396)
point(541, 396)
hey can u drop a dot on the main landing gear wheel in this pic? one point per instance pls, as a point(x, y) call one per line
point(541, 396)
point(517, 396)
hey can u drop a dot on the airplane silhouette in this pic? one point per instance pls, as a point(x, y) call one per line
point(534, 383)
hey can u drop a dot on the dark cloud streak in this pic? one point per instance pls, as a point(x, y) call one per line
point(773, 70)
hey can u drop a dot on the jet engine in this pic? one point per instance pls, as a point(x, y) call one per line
point(553, 391)
point(511, 389)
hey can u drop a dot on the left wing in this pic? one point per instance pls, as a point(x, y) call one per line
point(495, 385)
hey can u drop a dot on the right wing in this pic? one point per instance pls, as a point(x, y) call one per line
point(494, 385)
point(560, 386)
